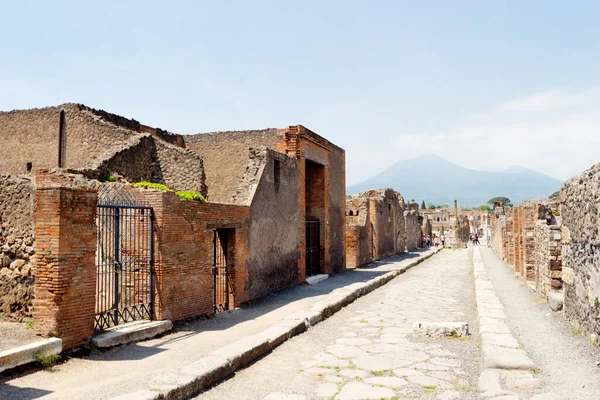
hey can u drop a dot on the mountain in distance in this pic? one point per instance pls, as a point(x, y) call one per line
point(436, 180)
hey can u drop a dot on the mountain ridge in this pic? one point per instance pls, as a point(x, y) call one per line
point(433, 179)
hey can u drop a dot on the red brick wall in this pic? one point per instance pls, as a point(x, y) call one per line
point(65, 287)
point(184, 253)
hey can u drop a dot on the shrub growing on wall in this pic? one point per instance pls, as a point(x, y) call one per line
point(187, 195)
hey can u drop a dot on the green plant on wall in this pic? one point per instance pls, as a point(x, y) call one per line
point(106, 176)
point(187, 195)
point(151, 185)
point(190, 195)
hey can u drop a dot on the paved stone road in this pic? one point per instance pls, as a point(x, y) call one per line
point(368, 351)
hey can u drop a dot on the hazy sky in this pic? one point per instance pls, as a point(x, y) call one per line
point(485, 84)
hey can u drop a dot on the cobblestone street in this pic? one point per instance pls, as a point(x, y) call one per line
point(368, 351)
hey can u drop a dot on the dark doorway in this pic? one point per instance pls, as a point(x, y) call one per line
point(221, 256)
point(315, 215)
point(313, 248)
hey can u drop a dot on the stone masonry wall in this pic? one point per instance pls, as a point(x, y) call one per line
point(375, 226)
point(272, 196)
point(580, 212)
point(412, 229)
point(548, 258)
point(97, 141)
point(17, 239)
point(225, 156)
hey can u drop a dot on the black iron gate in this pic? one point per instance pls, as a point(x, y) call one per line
point(220, 270)
point(125, 261)
point(313, 248)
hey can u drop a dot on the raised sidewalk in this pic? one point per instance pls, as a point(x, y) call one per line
point(203, 352)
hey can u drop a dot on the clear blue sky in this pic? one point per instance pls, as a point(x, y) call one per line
point(386, 80)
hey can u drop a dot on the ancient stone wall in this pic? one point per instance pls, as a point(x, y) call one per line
point(17, 197)
point(96, 141)
point(400, 225)
point(580, 212)
point(529, 218)
point(547, 258)
point(88, 136)
point(375, 226)
point(412, 228)
point(225, 156)
point(337, 216)
point(270, 189)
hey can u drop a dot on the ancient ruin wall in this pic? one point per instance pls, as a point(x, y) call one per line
point(547, 258)
point(337, 218)
point(145, 158)
point(16, 247)
point(580, 212)
point(272, 260)
point(412, 228)
point(225, 156)
point(400, 226)
point(35, 133)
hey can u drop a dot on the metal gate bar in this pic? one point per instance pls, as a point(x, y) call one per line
point(125, 263)
point(220, 270)
point(313, 248)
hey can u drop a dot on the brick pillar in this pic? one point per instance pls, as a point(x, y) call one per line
point(65, 284)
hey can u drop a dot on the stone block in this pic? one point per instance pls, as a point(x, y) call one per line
point(556, 300)
point(452, 329)
point(132, 332)
point(28, 353)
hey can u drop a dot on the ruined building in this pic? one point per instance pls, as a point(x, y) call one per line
point(275, 214)
point(375, 226)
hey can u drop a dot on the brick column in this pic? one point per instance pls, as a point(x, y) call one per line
point(65, 284)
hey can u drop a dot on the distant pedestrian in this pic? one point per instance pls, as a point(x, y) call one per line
point(428, 241)
point(477, 240)
point(423, 240)
point(443, 240)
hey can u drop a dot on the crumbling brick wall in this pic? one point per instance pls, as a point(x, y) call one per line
point(225, 156)
point(375, 226)
point(97, 141)
point(412, 228)
point(548, 258)
point(17, 198)
point(580, 212)
point(270, 188)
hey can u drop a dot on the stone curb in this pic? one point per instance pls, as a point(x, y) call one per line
point(132, 332)
point(193, 378)
point(26, 354)
point(502, 360)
